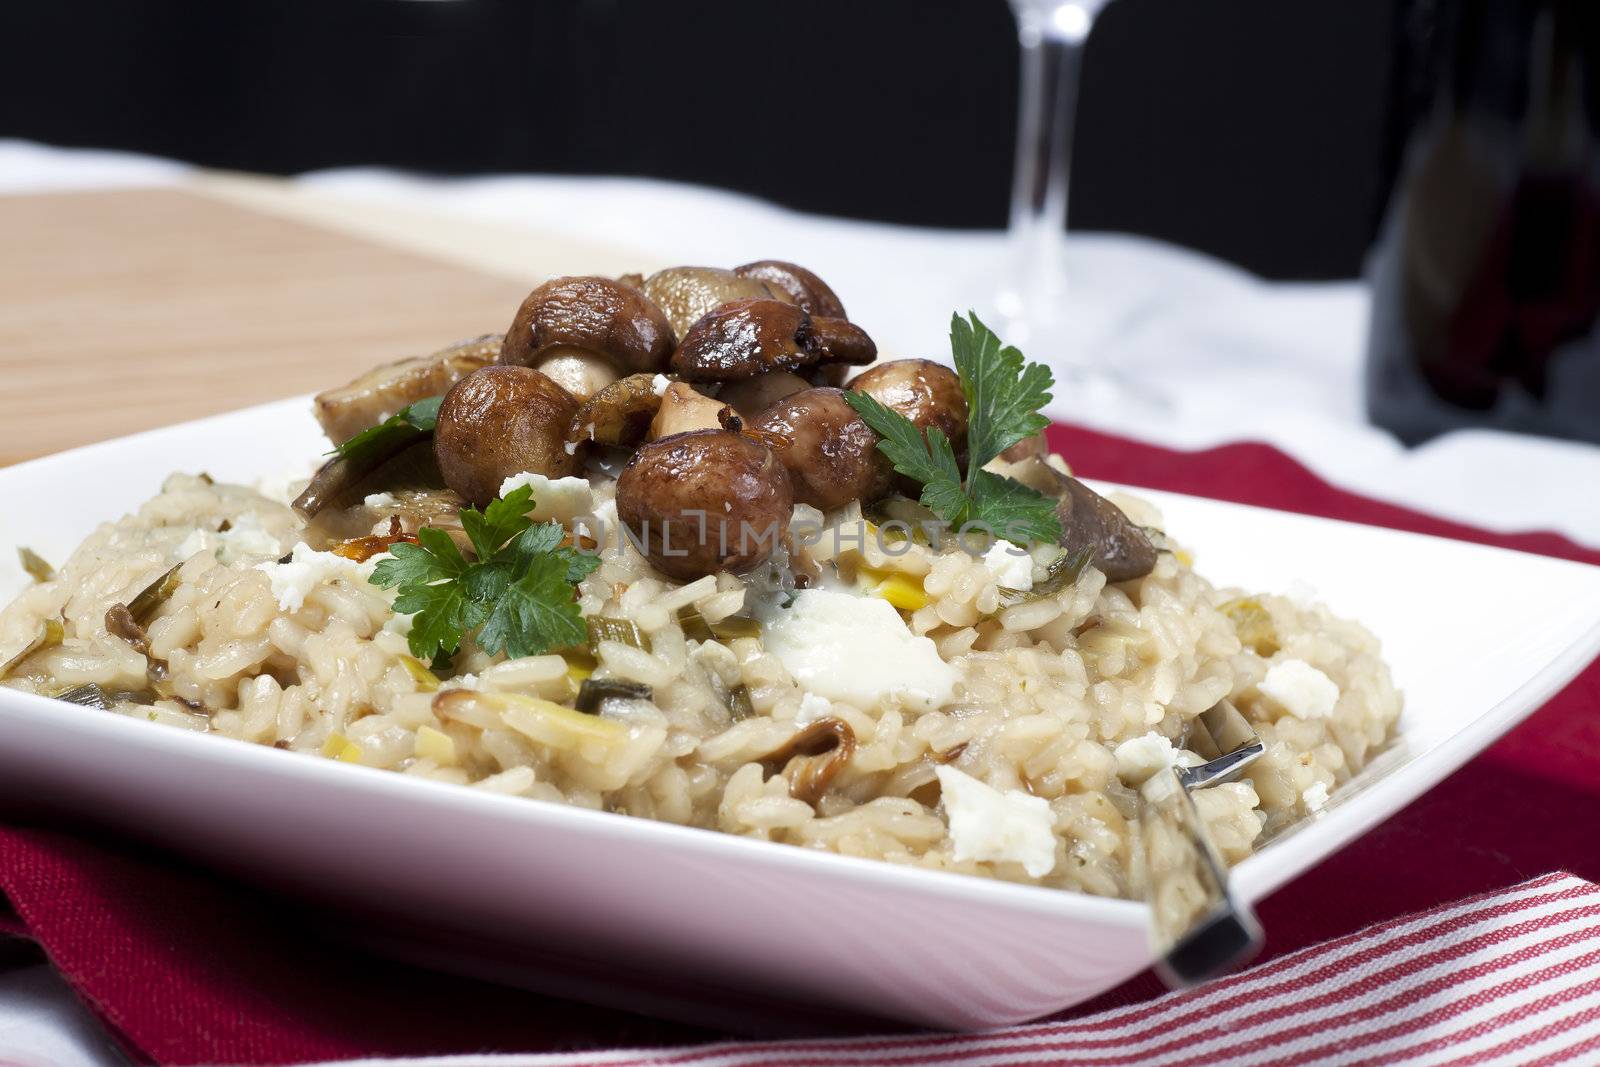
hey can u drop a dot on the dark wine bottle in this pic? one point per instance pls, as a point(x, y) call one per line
point(1486, 274)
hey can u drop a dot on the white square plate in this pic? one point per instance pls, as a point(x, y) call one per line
point(722, 929)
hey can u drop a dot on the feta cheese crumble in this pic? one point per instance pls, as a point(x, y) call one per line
point(245, 536)
point(856, 650)
point(380, 500)
point(659, 384)
point(1139, 758)
point(1300, 689)
point(558, 499)
point(307, 568)
point(987, 825)
point(1011, 566)
point(1315, 797)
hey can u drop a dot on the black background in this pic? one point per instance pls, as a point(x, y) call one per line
point(1251, 129)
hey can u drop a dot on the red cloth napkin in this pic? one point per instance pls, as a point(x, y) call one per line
point(1510, 977)
point(187, 968)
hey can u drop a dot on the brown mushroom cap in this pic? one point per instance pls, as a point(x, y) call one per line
point(567, 318)
point(746, 338)
point(501, 421)
point(686, 293)
point(797, 283)
point(927, 393)
point(706, 501)
point(833, 455)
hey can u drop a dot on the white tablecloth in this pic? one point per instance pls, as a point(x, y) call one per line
point(1238, 358)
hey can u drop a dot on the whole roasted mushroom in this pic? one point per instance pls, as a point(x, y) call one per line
point(586, 332)
point(927, 393)
point(748, 338)
point(686, 293)
point(798, 284)
point(705, 501)
point(501, 421)
point(833, 455)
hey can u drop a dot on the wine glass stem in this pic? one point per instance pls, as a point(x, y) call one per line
point(1051, 36)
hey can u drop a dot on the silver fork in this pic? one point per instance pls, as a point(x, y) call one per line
point(1197, 927)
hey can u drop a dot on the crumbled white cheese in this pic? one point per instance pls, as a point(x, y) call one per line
point(987, 825)
point(1141, 757)
point(197, 542)
point(247, 537)
point(381, 500)
point(1011, 566)
point(599, 523)
point(561, 499)
point(659, 384)
point(856, 650)
point(307, 568)
point(812, 709)
point(1315, 797)
point(1300, 689)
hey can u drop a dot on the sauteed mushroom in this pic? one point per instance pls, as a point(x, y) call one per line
point(833, 455)
point(748, 338)
point(501, 421)
point(382, 391)
point(686, 293)
point(705, 501)
point(927, 393)
point(751, 396)
point(586, 332)
point(798, 284)
point(619, 414)
point(813, 758)
point(1090, 523)
point(683, 409)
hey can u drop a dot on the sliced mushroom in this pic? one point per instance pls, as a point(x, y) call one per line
point(501, 421)
point(927, 393)
point(833, 455)
point(748, 338)
point(620, 414)
point(751, 396)
point(706, 501)
point(686, 293)
point(382, 391)
point(813, 758)
point(586, 332)
point(798, 284)
point(1091, 525)
point(682, 409)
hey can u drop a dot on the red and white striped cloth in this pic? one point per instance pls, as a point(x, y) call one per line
point(1509, 977)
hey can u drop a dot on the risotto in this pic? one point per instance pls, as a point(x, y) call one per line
point(866, 683)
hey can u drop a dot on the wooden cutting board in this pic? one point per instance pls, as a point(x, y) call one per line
point(122, 311)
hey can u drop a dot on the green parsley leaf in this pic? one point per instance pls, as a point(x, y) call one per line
point(502, 520)
point(1012, 510)
point(444, 614)
point(535, 613)
point(413, 422)
point(1000, 387)
point(517, 593)
point(1004, 393)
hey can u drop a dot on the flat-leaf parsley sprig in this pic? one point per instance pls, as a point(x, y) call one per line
point(1004, 394)
point(517, 594)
